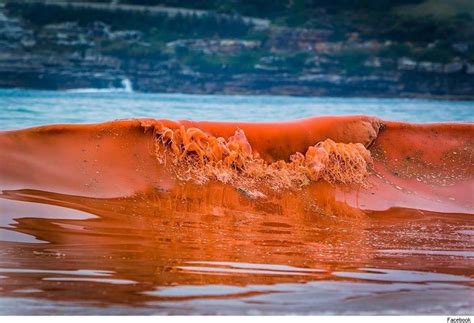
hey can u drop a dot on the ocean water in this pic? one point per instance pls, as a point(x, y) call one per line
point(142, 254)
point(24, 108)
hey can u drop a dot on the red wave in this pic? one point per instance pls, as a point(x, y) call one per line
point(427, 167)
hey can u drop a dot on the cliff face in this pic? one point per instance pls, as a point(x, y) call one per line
point(202, 52)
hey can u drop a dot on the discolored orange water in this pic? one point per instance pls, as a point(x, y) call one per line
point(91, 223)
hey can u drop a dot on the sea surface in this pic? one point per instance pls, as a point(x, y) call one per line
point(62, 254)
point(20, 108)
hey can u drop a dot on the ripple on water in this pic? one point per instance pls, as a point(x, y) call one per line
point(392, 275)
point(451, 253)
point(223, 267)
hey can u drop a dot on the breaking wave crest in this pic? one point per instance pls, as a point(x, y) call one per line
point(196, 156)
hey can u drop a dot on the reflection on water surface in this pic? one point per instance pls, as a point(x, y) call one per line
point(151, 254)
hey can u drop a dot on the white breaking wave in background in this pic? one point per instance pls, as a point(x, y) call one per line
point(127, 85)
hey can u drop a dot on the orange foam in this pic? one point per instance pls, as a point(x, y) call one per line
point(194, 155)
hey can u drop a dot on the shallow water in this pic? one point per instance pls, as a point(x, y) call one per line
point(66, 254)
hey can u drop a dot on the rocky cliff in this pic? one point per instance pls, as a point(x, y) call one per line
point(53, 45)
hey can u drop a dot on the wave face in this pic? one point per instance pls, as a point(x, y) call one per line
point(358, 162)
